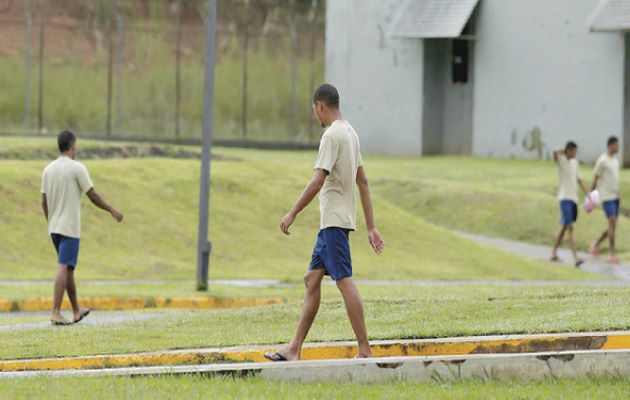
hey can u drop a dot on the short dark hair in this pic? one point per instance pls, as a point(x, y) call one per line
point(65, 140)
point(612, 140)
point(570, 146)
point(327, 94)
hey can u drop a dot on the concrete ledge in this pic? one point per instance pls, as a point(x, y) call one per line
point(505, 344)
point(521, 367)
point(115, 303)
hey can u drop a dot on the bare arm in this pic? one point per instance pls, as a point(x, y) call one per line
point(594, 186)
point(99, 202)
point(45, 205)
point(583, 186)
point(557, 153)
point(374, 235)
point(309, 193)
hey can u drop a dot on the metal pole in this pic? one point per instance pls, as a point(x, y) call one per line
point(40, 99)
point(203, 245)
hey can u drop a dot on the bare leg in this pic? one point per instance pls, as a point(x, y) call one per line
point(72, 294)
point(612, 227)
point(558, 242)
point(601, 238)
point(572, 244)
point(313, 282)
point(354, 307)
point(59, 289)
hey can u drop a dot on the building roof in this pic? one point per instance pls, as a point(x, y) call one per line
point(433, 18)
point(611, 15)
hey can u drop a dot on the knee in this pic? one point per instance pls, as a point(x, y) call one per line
point(310, 281)
point(342, 284)
point(570, 228)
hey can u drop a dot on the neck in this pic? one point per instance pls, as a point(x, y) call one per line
point(67, 154)
point(610, 153)
point(335, 115)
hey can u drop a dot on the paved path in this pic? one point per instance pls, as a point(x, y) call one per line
point(95, 318)
point(541, 252)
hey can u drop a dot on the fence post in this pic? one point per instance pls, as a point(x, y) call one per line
point(245, 70)
point(178, 45)
point(40, 98)
point(28, 62)
point(118, 70)
point(312, 19)
point(294, 49)
point(110, 70)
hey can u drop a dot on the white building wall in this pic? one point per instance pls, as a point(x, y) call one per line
point(379, 78)
point(537, 65)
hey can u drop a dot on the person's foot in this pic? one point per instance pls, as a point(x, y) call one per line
point(78, 316)
point(555, 258)
point(578, 263)
point(364, 355)
point(59, 320)
point(282, 355)
point(593, 252)
point(614, 260)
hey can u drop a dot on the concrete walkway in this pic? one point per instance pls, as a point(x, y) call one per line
point(91, 320)
point(460, 346)
point(501, 367)
point(541, 252)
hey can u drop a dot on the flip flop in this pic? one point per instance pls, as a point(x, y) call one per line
point(555, 259)
point(579, 263)
point(275, 357)
point(84, 313)
point(60, 323)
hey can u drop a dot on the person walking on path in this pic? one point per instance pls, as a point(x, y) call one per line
point(63, 183)
point(338, 171)
point(607, 182)
point(568, 181)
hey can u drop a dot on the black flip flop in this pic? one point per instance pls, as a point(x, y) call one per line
point(275, 357)
point(579, 263)
point(555, 259)
point(84, 314)
point(60, 323)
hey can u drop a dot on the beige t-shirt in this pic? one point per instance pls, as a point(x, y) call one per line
point(607, 173)
point(568, 175)
point(63, 182)
point(340, 155)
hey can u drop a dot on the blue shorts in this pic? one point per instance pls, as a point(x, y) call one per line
point(569, 212)
point(332, 253)
point(67, 250)
point(611, 208)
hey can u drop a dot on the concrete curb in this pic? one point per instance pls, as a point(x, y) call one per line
point(519, 367)
point(116, 303)
point(506, 344)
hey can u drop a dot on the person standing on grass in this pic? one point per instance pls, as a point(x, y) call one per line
point(568, 181)
point(338, 171)
point(607, 182)
point(63, 182)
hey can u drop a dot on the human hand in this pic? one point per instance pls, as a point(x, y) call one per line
point(286, 222)
point(376, 241)
point(117, 215)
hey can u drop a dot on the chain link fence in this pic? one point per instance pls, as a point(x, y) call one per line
point(133, 69)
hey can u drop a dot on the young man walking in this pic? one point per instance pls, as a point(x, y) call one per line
point(607, 182)
point(568, 181)
point(338, 171)
point(63, 182)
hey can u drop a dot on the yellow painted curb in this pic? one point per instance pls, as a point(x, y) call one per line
point(426, 347)
point(115, 303)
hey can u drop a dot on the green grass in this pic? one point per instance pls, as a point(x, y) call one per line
point(158, 237)
point(190, 387)
point(513, 199)
point(391, 313)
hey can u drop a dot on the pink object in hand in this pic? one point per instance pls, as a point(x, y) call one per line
point(591, 201)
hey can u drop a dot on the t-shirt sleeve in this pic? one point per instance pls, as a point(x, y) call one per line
point(359, 159)
point(327, 155)
point(83, 179)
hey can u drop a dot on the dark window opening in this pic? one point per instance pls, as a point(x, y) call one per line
point(460, 61)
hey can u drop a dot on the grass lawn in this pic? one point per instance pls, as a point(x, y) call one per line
point(191, 387)
point(391, 313)
point(159, 199)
